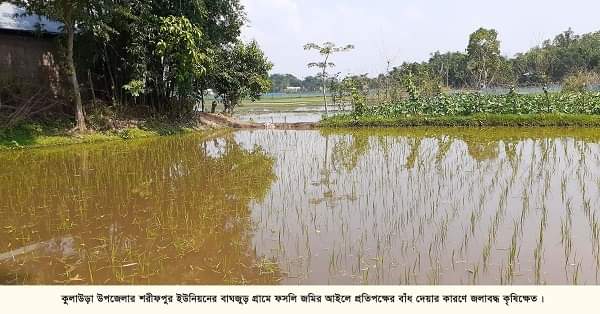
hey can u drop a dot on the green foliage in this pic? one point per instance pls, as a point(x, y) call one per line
point(483, 66)
point(451, 68)
point(418, 79)
point(158, 53)
point(241, 71)
point(75, 15)
point(353, 90)
point(279, 82)
point(411, 88)
point(69, 12)
point(466, 104)
point(135, 87)
point(359, 101)
point(580, 81)
point(477, 120)
point(484, 56)
point(53, 133)
point(559, 58)
point(180, 50)
point(326, 50)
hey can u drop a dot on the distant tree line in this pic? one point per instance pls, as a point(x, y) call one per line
point(565, 58)
point(281, 82)
point(570, 59)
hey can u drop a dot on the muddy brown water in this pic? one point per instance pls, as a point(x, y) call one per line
point(411, 206)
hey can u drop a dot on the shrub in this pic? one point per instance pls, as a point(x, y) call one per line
point(466, 104)
point(580, 81)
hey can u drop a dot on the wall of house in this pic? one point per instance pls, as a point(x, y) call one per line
point(29, 60)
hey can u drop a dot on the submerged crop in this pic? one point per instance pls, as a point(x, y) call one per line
point(335, 206)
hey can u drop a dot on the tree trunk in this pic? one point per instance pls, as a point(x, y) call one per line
point(113, 88)
point(202, 100)
point(324, 84)
point(91, 82)
point(325, 96)
point(79, 116)
point(202, 95)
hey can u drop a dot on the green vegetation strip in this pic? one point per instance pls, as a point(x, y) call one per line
point(32, 135)
point(477, 120)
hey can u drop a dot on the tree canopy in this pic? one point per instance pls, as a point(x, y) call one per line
point(241, 72)
point(326, 50)
point(158, 54)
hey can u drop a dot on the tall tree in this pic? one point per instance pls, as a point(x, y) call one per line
point(133, 66)
point(72, 13)
point(484, 56)
point(183, 58)
point(242, 71)
point(325, 50)
point(451, 67)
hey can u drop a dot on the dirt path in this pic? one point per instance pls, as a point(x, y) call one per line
point(220, 120)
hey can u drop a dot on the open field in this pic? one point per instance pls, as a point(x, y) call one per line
point(281, 103)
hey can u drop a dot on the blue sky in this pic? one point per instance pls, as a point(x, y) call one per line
point(404, 30)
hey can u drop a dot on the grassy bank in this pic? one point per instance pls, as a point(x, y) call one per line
point(40, 134)
point(477, 120)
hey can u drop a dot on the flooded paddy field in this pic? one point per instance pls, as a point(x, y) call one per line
point(410, 206)
point(282, 117)
point(311, 114)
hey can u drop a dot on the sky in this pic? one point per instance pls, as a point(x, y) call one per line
point(403, 30)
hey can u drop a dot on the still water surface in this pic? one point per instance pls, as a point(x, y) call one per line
point(412, 206)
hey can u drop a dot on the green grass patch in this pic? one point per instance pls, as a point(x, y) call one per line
point(281, 103)
point(32, 135)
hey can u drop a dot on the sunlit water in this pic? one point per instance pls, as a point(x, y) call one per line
point(412, 206)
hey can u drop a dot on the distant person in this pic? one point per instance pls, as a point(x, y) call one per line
point(213, 107)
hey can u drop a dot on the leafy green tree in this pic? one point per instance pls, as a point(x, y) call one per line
point(483, 56)
point(73, 14)
point(451, 67)
point(242, 71)
point(326, 50)
point(557, 59)
point(182, 57)
point(418, 79)
point(532, 67)
point(153, 53)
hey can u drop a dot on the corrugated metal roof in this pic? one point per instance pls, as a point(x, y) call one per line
point(11, 18)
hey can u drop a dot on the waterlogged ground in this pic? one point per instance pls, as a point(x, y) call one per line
point(412, 206)
point(289, 114)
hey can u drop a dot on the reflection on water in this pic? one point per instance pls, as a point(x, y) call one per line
point(431, 207)
point(412, 206)
point(164, 211)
